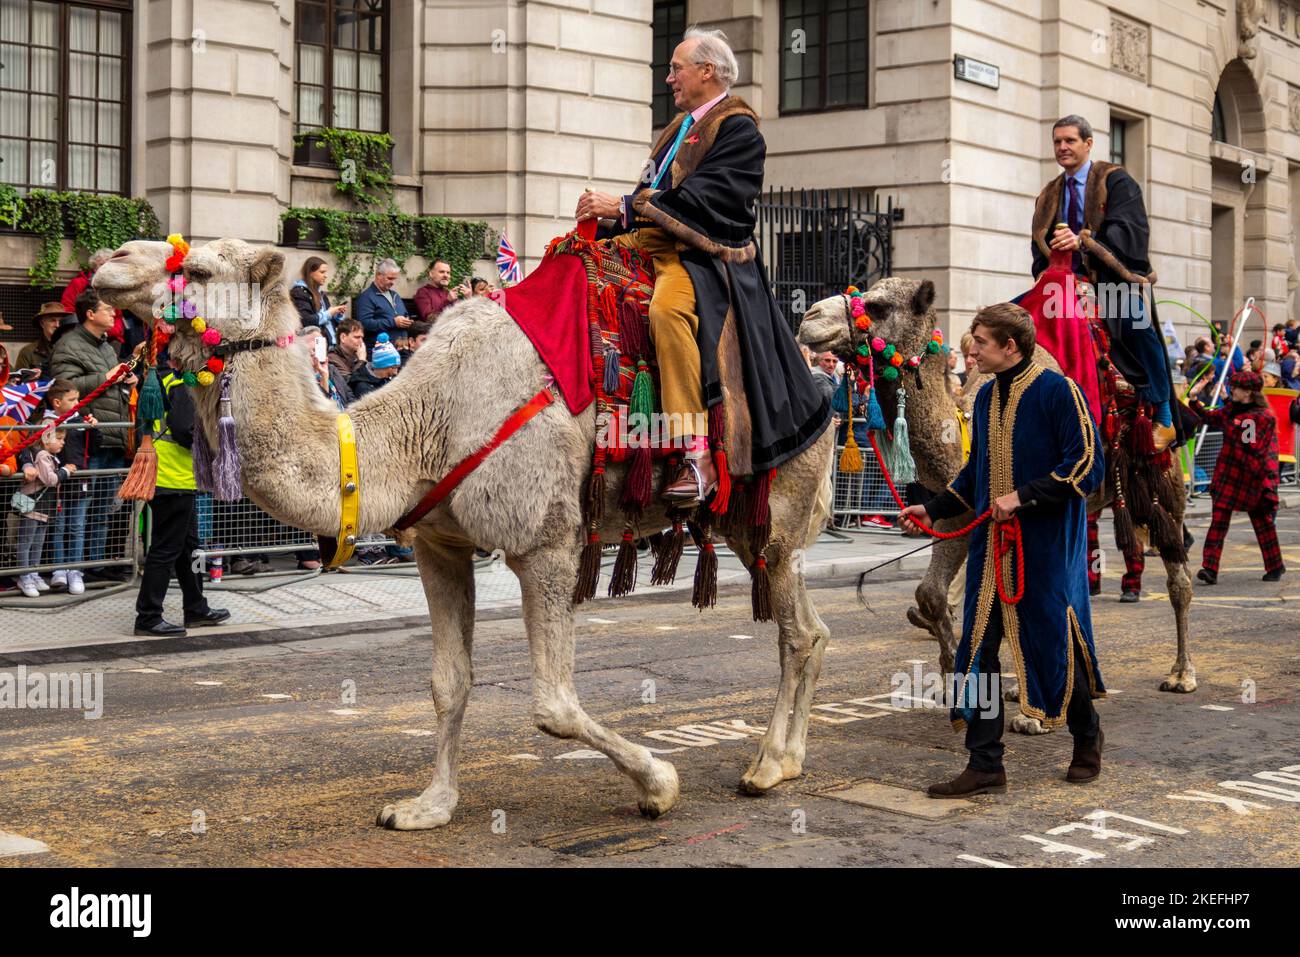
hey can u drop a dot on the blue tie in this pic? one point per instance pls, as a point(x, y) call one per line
point(1074, 208)
point(672, 151)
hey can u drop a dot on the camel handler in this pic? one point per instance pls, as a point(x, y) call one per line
point(693, 213)
point(1035, 455)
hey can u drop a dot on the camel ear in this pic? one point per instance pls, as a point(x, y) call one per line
point(267, 268)
point(923, 298)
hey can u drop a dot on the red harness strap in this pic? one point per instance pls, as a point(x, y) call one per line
point(468, 464)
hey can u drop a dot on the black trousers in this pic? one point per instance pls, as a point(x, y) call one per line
point(984, 732)
point(175, 535)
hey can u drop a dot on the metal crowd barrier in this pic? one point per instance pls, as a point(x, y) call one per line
point(858, 497)
point(87, 526)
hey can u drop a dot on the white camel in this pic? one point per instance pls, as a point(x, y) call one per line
point(476, 367)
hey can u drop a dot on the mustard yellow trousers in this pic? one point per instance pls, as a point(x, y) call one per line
point(673, 328)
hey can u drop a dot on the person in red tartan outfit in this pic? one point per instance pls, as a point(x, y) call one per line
point(1130, 586)
point(1246, 475)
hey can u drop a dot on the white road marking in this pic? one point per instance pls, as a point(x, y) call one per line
point(145, 671)
point(278, 697)
point(582, 754)
point(982, 860)
point(741, 637)
point(417, 732)
point(210, 684)
point(1216, 707)
point(345, 712)
point(523, 757)
point(665, 627)
point(15, 845)
point(601, 621)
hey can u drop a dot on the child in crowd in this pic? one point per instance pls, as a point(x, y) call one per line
point(69, 531)
point(1246, 475)
point(35, 501)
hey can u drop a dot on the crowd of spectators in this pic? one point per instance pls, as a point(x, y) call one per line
point(62, 507)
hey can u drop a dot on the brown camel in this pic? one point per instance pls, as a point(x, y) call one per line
point(524, 500)
point(902, 313)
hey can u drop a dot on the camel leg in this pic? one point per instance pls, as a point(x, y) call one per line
point(796, 741)
point(546, 579)
point(1182, 677)
point(802, 638)
point(932, 612)
point(447, 573)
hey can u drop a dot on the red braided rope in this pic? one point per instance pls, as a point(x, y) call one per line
point(95, 393)
point(1006, 535)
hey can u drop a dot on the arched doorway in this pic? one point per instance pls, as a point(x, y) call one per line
point(1239, 164)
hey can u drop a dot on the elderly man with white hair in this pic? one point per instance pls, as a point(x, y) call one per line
point(379, 308)
point(714, 323)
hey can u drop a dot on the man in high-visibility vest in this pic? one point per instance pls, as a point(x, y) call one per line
point(173, 523)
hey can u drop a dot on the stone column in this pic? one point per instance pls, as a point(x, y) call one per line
point(526, 103)
point(213, 101)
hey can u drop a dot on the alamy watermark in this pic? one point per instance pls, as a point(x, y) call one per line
point(933, 689)
point(83, 691)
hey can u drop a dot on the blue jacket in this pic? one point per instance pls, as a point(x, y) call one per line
point(375, 313)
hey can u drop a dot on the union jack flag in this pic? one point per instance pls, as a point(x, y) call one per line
point(21, 399)
point(508, 261)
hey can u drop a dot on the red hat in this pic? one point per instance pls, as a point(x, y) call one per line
point(1247, 379)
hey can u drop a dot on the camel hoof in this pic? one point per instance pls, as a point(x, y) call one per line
point(920, 621)
point(1179, 683)
point(411, 815)
point(660, 793)
point(1021, 724)
point(763, 774)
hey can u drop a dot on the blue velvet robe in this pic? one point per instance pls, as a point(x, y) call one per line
point(1046, 428)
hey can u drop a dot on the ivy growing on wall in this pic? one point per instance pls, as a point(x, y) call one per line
point(363, 161)
point(92, 221)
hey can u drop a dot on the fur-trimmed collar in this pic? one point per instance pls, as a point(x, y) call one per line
point(701, 135)
point(1094, 203)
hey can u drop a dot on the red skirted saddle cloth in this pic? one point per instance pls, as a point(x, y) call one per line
point(1064, 321)
point(585, 308)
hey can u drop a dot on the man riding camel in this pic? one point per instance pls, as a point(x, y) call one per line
point(693, 213)
point(1094, 210)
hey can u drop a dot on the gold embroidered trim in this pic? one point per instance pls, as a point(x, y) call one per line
point(957, 496)
point(1084, 463)
point(1001, 430)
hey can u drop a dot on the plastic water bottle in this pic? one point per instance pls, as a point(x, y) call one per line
point(214, 573)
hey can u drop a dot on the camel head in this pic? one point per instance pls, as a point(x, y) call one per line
point(235, 287)
point(901, 312)
point(135, 277)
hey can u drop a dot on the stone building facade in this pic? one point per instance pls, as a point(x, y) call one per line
point(504, 110)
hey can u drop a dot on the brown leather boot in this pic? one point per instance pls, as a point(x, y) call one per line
point(970, 782)
point(1086, 764)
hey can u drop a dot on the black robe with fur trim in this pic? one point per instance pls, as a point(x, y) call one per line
point(707, 201)
point(1114, 243)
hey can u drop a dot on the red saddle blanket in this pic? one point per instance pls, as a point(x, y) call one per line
point(1063, 321)
point(585, 309)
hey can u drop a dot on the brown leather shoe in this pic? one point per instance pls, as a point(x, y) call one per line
point(1162, 436)
point(970, 782)
point(688, 487)
point(1086, 764)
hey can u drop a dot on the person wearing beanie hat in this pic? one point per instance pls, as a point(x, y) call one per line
point(1246, 474)
point(385, 362)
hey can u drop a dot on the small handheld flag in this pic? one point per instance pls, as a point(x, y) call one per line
point(508, 261)
point(20, 399)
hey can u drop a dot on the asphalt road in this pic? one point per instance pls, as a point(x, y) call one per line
point(256, 755)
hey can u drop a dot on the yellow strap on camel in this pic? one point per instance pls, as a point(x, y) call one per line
point(350, 491)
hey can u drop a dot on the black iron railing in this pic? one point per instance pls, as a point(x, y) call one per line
point(817, 241)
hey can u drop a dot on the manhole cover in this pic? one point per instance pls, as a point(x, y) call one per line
point(883, 797)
